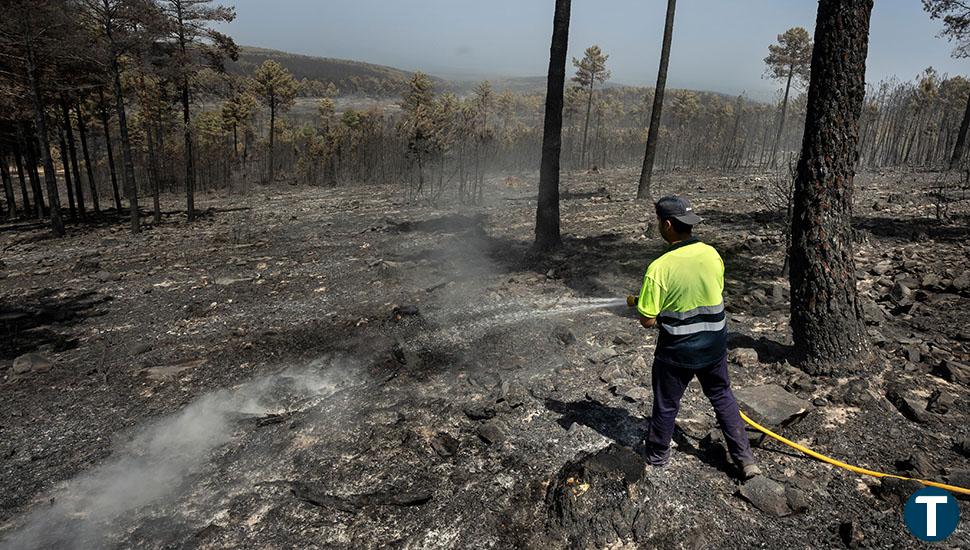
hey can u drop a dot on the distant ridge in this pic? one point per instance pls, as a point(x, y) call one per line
point(324, 69)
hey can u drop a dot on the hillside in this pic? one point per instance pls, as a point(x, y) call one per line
point(324, 69)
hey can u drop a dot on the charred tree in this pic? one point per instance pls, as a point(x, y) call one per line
point(547, 210)
point(646, 172)
point(103, 110)
point(72, 156)
point(826, 315)
point(88, 167)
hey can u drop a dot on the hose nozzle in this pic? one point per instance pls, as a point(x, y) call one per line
point(631, 300)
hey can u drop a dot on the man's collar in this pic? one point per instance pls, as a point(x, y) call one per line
point(682, 243)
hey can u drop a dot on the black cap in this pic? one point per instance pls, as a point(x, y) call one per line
point(678, 208)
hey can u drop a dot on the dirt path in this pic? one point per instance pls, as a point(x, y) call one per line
point(244, 381)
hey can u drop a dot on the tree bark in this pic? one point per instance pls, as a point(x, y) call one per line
point(43, 141)
point(153, 173)
point(589, 108)
point(18, 159)
point(826, 315)
point(68, 182)
point(72, 155)
point(89, 170)
point(646, 172)
point(547, 210)
point(7, 187)
point(961, 138)
point(189, 160)
point(272, 139)
point(32, 174)
point(109, 151)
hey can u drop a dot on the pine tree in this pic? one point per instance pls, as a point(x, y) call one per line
point(547, 209)
point(956, 27)
point(790, 61)
point(646, 171)
point(826, 314)
point(276, 88)
point(589, 70)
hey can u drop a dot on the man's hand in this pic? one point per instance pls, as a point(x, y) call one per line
point(648, 322)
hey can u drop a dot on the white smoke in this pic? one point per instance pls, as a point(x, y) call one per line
point(159, 460)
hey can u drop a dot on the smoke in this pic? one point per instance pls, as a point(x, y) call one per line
point(158, 462)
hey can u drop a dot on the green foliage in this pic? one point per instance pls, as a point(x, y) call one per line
point(955, 15)
point(274, 86)
point(792, 55)
point(591, 68)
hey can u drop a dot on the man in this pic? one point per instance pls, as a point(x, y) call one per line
point(682, 296)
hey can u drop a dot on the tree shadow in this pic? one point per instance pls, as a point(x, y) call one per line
point(957, 231)
point(617, 424)
point(25, 324)
point(769, 351)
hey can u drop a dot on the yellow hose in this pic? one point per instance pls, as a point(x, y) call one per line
point(849, 467)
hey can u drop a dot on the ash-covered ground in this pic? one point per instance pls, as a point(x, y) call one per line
point(335, 368)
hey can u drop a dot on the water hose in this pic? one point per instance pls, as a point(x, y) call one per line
point(845, 466)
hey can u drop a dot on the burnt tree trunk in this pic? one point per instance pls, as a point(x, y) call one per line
point(646, 172)
point(32, 174)
point(109, 152)
point(72, 155)
point(189, 160)
point(547, 210)
point(82, 131)
point(7, 187)
point(43, 140)
point(826, 315)
point(961, 138)
point(781, 118)
point(18, 159)
point(68, 181)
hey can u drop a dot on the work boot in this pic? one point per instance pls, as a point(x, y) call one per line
point(750, 470)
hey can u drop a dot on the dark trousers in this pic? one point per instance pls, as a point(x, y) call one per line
point(669, 383)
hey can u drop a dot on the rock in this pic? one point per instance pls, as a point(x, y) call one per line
point(491, 433)
point(160, 374)
point(479, 412)
point(766, 495)
point(633, 393)
point(851, 534)
point(602, 355)
point(139, 349)
point(959, 477)
point(962, 446)
point(778, 293)
point(597, 499)
point(961, 283)
point(908, 407)
point(771, 405)
point(900, 293)
point(623, 339)
point(565, 335)
point(952, 371)
point(819, 402)
point(896, 491)
point(444, 444)
point(872, 313)
point(613, 375)
point(31, 362)
point(931, 281)
point(228, 281)
point(639, 367)
point(400, 312)
point(882, 267)
point(854, 393)
point(105, 276)
point(940, 402)
point(797, 499)
point(916, 463)
point(87, 264)
point(746, 357)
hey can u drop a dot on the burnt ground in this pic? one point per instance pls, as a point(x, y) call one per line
point(335, 368)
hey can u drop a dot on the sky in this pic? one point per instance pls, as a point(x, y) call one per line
point(718, 45)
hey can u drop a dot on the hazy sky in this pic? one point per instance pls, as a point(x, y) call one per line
point(718, 44)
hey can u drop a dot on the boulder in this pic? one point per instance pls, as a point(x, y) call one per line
point(900, 293)
point(602, 355)
point(633, 393)
point(908, 407)
point(766, 495)
point(613, 374)
point(31, 362)
point(598, 499)
point(771, 405)
point(444, 445)
point(940, 402)
point(491, 433)
point(961, 283)
point(952, 371)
